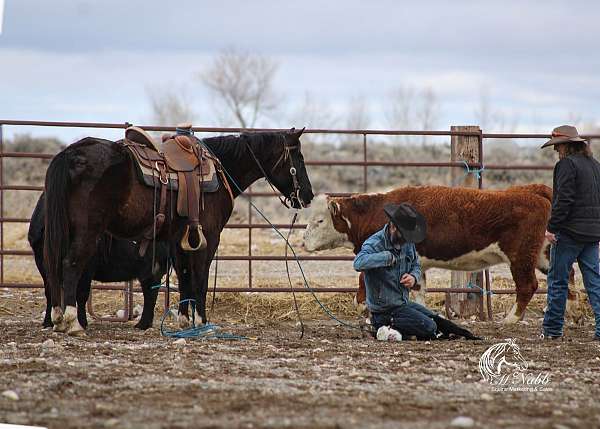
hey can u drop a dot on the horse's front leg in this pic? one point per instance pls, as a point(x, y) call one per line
point(211, 248)
point(183, 271)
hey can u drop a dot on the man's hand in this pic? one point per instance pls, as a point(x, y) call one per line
point(550, 237)
point(407, 281)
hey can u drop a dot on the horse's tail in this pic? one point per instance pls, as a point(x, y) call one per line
point(56, 216)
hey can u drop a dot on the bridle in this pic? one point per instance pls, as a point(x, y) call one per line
point(286, 155)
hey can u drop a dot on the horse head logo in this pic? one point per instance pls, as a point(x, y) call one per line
point(501, 359)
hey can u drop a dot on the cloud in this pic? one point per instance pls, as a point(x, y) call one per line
point(89, 60)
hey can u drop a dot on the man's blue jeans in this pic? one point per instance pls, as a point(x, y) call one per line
point(410, 319)
point(562, 256)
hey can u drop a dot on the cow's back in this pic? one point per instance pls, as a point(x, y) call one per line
point(459, 220)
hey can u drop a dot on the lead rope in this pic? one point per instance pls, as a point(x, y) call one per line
point(287, 269)
point(326, 310)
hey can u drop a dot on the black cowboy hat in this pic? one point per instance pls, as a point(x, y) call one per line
point(409, 222)
point(563, 134)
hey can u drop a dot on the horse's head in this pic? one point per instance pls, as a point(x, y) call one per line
point(288, 171)
point(512, 356)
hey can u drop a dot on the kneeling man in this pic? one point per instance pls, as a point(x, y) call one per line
point(391, 265)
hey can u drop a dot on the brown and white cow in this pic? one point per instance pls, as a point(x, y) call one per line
point(467, 229)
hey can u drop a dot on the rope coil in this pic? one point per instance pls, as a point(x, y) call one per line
point(475, 171)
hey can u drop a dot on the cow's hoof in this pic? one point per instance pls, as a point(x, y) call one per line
point(512, 317)
point(574, 310)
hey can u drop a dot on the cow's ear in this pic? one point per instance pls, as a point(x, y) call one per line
point(334, 207)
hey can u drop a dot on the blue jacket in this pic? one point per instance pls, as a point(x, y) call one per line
point(383, 266)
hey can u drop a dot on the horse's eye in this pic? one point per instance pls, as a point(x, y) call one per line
point(320, 221)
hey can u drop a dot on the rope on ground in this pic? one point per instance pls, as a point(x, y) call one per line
point(208, 331)
point(306, 285)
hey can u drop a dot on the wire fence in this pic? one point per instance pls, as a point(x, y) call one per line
point(249, 225)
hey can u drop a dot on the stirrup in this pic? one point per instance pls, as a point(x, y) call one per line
point(185, 244)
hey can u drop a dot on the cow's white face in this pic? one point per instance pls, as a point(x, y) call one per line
point(320, 232)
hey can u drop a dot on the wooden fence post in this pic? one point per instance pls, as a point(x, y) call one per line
point(464, 148)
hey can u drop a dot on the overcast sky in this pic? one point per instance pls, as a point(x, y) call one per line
point(538, 63)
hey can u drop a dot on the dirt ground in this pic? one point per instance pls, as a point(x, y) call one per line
point(118, 377)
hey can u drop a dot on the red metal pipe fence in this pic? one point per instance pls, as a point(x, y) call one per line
point(250, 225)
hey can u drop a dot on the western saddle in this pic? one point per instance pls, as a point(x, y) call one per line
point(181, 164)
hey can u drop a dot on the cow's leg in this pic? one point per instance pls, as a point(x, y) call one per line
point(419, 294)
point(526, 285)
point(574, 309)
point(360, 297)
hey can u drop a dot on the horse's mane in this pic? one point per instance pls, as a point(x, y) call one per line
point(232, 147)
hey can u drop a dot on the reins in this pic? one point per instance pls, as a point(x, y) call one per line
point(285, 155)
point(325, 309)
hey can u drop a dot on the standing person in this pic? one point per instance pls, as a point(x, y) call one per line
point(391, 265)
point(573, 228)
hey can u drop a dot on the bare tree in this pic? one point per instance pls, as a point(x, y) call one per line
point(410, 109)
point(170, 107)
point(358, 114)
point(244, 84)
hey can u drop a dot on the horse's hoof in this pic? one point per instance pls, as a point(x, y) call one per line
point(75, 330)
point(198, 321)
point(70, 314)
point(184, 322)
point(143, 325)
point(60, 326)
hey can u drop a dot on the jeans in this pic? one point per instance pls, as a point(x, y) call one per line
point(562, 256)
point(408, 319)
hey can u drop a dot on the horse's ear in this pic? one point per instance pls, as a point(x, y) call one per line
point(299, 133)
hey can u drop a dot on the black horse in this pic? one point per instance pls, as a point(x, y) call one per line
point(115, 260)
point(91, 188)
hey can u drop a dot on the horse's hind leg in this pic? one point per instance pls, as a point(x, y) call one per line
point(83, 247)
point(83, 294)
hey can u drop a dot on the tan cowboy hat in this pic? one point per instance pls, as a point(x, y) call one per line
point(563, 134)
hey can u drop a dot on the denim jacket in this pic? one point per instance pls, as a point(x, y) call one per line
point(383, 266)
